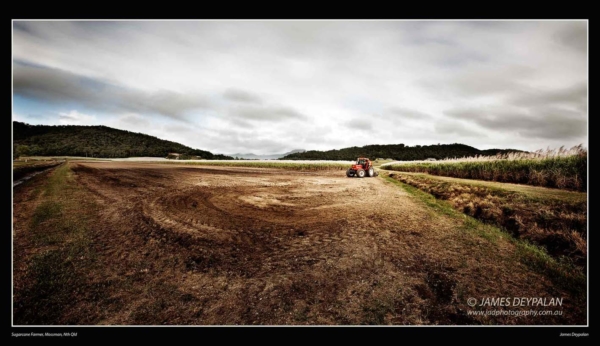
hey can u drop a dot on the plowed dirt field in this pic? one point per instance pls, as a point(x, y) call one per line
point(228, 245)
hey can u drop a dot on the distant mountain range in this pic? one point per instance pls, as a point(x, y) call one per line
point(251, 156)
point(96, 141)
point(398, 152)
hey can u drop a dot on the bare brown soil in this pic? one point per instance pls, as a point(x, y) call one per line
point(230, 245)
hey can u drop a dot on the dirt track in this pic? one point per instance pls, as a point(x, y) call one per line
point(227, 245)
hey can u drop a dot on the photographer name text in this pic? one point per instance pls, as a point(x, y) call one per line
point(517, 301)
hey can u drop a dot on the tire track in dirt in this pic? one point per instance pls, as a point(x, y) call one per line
point(278, 247)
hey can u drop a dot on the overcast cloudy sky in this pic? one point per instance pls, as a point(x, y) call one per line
point(272, 86)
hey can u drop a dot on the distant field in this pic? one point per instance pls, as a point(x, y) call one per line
point(310, 165)
point(378, 163)
point(564, 169)
point(294, 165)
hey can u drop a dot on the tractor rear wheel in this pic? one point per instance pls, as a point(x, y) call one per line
point(371, 172)
point(360, 173)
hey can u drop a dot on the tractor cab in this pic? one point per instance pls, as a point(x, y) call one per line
point(362, 167)
point(362, 163)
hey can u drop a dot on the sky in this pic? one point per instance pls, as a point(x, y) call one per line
point(268, 87)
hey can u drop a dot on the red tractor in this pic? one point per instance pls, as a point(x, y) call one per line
point(362, 167)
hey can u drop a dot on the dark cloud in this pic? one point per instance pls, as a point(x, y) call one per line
point(574, 96)
point(59, 86)
point(65, 116)
point(23, 27)
point(240, 123)
point(360, 124)
point(457, 128)
point(557, 114)
point(133, 120)
point(241, 96)
point(234, 141)
point(65, 30)
point(266, 113)
point(406, 113)
point(573, 35)
point(478, 82)
point(548, 122)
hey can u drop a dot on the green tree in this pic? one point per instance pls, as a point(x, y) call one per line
point(21, 150)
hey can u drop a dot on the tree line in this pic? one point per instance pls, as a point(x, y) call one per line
point(398, 152)
point(95, 141)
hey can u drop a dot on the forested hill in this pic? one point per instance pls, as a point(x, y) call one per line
point(94, 141)
point(399, 152)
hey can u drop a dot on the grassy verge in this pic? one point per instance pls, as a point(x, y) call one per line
point(21, 169)
point(59, 230)
point(557, 224)
point(561, 271)
point(565, 172)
